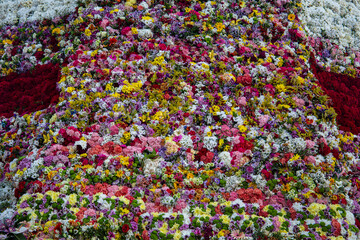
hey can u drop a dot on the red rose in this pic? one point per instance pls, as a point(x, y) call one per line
point(125, 228)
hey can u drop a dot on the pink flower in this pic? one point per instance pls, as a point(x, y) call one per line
point(114, 130)
point(263, 120)
point(117, 149)
point(299, 102)
point(154, 142)
point(241, 101)
point(90, 212)
point(310, 159)
point(96, 150)
point(95, 140)
point(109, 147)
point(89, 190)
point(180, 205)
point(129, 151)
point(145, 235)
point(177, 138)
point(276, 223)
point(125, 30)
point(104, 23)
point(233, 196)
point(237, 235)
point(112, 190)
point(310, 144)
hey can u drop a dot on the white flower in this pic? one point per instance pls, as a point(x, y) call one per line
point(145, 33)
point(210, 143)
point(225, 158)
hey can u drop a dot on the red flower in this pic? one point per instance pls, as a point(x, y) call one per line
point(30, 91)
point(343, 90)
point(125, 228)
point(357, 222)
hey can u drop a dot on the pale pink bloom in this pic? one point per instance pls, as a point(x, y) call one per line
point(310, 144)
point(154, 142)
point(89, 190)
point(90, 212)
point(104, 23)
point(276, 223)
point(190, 156)
point(129, 151)
point(70, 132)
point(112, 190)
point(237, 235)
point(299, 102)
point(263, 120)
point(248, 152)
point(236, 140)
point(180, 205)
point(237, 155)
point(323, 140)
point(310, 159)
point(95, 139)
point(241, 101)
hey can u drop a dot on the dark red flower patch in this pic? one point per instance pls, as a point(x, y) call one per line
point(345, 94)
point(30, 91)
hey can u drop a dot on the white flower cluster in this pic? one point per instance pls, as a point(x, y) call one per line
point(7, 199)
point(337, 20)
point(225, 158)
point(151, 166)
point(145, 33)
point(186, 141)
point(210, 143)
point(14, 11)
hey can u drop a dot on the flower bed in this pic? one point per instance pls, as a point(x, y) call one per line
point(343, 90)
point(180, 121)
point(30, 91)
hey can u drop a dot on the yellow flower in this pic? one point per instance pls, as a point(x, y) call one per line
point(225, 219)
point(56, 30)
point(72, 199)
point(222, 233)
point(164, 228)
point(286, 188)
point(134, 30)
point(7, 41)
point(294, 158)
point(291, 17)
point(124, 211)
point(124, 160)
point(281, 87)
point(242, 128)
point(190, 176)
point(88, 32)
point(54, 195)
point(146, 18)
point(177, 234)
point(51, 174)
point(219, 26)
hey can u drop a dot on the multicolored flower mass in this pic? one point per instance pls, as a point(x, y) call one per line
point(177, 120)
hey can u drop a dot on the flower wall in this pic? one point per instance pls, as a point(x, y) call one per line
point(178, 120)
point(337, 20)
point(15, 11)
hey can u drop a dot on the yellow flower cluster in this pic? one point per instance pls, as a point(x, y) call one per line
point(131, 87)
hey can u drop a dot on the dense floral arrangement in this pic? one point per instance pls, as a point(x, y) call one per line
point(177, 120)
point(336, 20)
point(30, 91)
